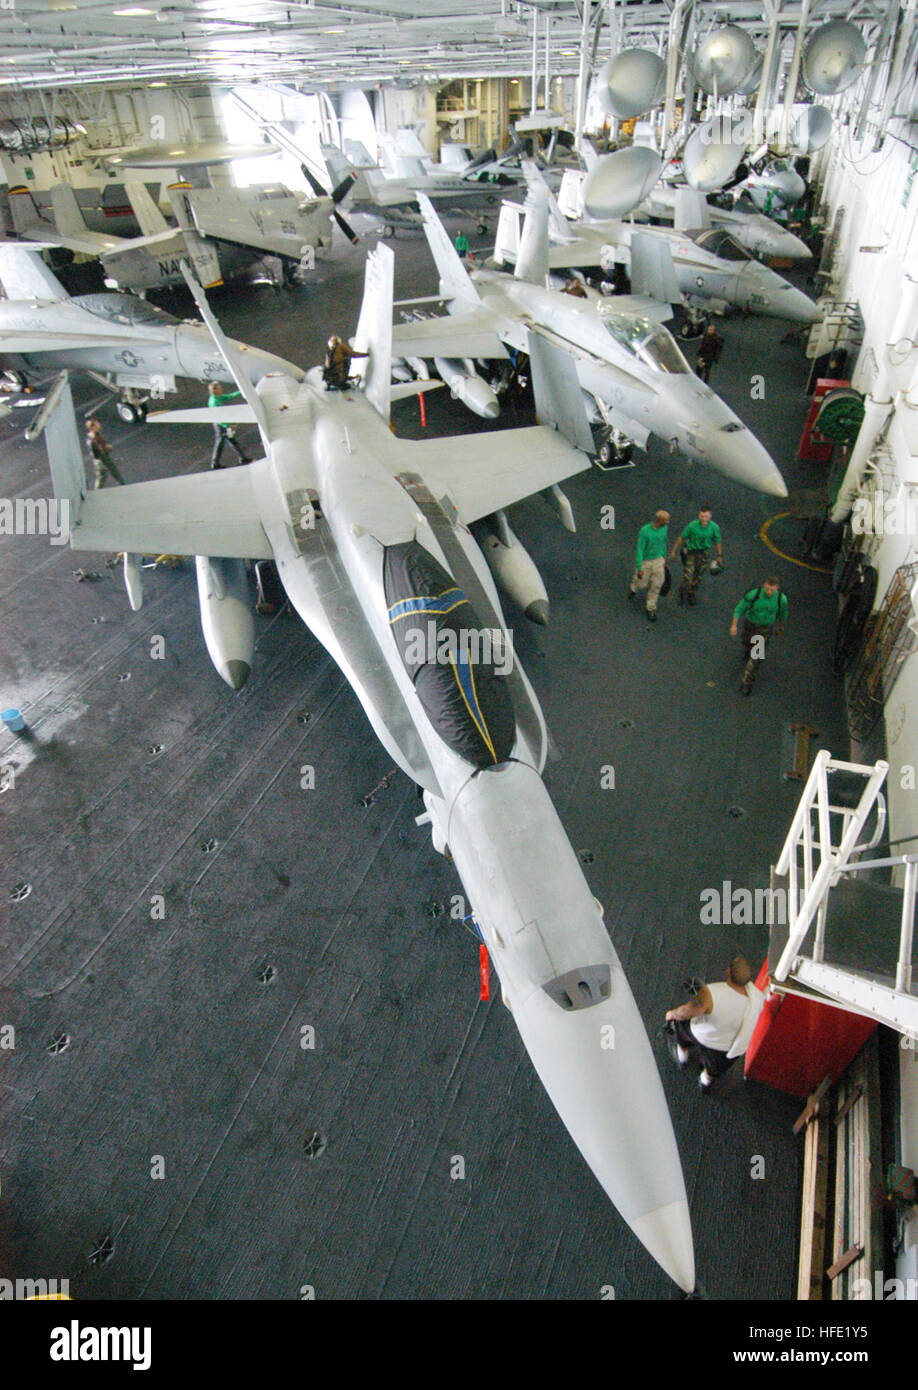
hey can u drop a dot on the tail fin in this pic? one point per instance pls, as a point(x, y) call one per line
point(557, 222)
point(68, 215)
point(570, 194)
point(374, 329)
point(359, 155)
point(149, 217)
point(692, 210)
point(23, 210)
point(201, 252)
point(229, 353)
point(455, 282)
point(24, 275)
point(532, 259)
point(507, 241)
point(56, 420)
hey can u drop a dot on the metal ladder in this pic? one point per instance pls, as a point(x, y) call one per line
point(813, 865)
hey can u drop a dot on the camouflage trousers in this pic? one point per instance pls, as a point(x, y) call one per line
point(755, 638)
point(693, 567)
point(105, 467)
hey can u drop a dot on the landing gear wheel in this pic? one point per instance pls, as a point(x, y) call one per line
point(128, 412)
point(292, 275)
point(482, 228)
point(694, 326)
point(613, 453)
point(12, 380)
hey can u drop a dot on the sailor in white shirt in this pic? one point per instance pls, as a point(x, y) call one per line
point(717, 1025)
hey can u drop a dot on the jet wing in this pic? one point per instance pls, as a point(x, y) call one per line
point(214, 513)
point(15, 340)
point(652, 270)
point(454, 335)
point(483, 481)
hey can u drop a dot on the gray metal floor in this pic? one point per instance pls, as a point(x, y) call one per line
point(310, 909)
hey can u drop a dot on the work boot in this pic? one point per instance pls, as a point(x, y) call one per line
point(651, 615)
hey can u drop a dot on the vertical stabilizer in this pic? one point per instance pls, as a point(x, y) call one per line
point(374, 329)
point(230, 353)
point(201, 252)
point(532, 259)
point(68, 215)
point(24, 275)
point(149, 218)
point(691, 210)
point(57, 422)
point(558, 227)
point(455, 282)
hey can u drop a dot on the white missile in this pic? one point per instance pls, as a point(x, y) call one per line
point(515, 571)
point(133, 580)
point(467, 386)
point(560, 502)
point(226, 617)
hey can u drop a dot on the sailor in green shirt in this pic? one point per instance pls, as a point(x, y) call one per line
point(763, 611)
point(462, 244)
point(650, 562)
point(223, 434)
point(696, 542)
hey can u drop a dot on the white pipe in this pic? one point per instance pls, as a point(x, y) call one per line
point(904, 966)
point(535, 61)
point(582, 74)
point(791, 88)
point(878, 403)
point(547, 97)
point(758, 117)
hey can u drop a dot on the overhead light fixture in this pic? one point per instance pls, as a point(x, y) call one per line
point(133, 12)
point(157, 84)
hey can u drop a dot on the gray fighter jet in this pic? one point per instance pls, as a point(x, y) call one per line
point(133, 346)
point(369, 534)
point(617, 363)
point(702, 266)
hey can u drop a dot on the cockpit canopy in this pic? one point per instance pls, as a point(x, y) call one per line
point(123, 308)
point(720, 243)
point(651, 342)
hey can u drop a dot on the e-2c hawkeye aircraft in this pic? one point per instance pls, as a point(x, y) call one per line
point(617, 363)
point(139, 263)
point(369, 534)
point(130, 345)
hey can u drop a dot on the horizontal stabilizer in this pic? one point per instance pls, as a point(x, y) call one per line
point(401, 389)
point(56, 421)
point(652, 271)
point(454, 335)
point(558, 400)
point(205, 415)
point(482, 482)
point(214, 513)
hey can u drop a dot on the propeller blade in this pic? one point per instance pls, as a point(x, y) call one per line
point(344, 188)
point(346, 228)
point(313, 182)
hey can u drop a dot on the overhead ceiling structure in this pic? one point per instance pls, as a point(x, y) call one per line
point(49, 45)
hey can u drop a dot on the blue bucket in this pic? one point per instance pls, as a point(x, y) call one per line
point(13, 720)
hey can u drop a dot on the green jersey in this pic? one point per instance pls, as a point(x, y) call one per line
point(762, 609)
point(698, 537)
point(651, 544)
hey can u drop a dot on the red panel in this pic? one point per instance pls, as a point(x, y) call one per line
point(813, 448)
point(798, 1041)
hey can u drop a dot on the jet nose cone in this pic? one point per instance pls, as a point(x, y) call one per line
point(774, 485)
point(798, 307)
point(537, 612)
point(667, 1234)
point(236, 673)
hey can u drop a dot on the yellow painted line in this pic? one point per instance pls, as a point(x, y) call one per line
point(763, 535)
